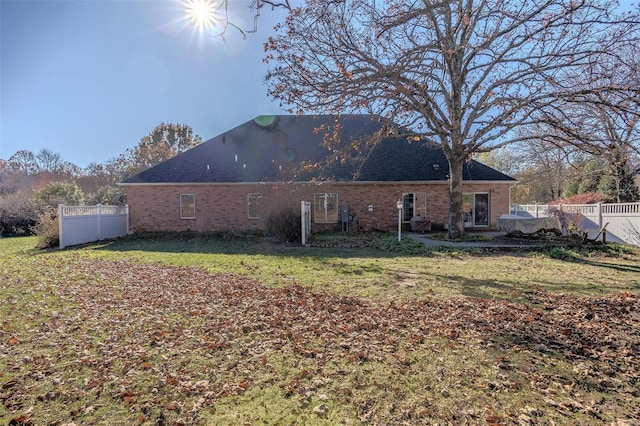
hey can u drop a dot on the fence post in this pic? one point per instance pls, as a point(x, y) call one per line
point(305, 211)
point(600, 215)
point(60, 233)
point(99, 206)
point(536, 204)
point(126, 209)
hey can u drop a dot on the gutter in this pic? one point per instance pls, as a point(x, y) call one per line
point(318, 183)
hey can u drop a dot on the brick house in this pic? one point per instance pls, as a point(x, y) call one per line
point(237, 179)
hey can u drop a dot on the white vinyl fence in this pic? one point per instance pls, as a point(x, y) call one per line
point(85, 224)
point(622, 219)
point(305, 213)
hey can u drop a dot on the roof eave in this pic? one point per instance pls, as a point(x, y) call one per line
point(319, 182)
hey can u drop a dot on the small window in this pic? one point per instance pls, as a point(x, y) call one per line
point(325, 208)
point(254, 205)
point(187, 206)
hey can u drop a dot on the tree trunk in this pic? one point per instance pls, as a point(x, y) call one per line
point(456, 217)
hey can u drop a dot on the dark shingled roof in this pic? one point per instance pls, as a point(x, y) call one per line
point(292, 148)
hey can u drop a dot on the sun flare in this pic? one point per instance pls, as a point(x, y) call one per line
point(202, 13)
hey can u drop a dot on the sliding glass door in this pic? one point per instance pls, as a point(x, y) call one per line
point(476, 209)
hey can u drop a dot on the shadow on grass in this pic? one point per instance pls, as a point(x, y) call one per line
point(360, 246)
point(260, 246)
point(489, 289)
point(622, 267)
point(370, 245)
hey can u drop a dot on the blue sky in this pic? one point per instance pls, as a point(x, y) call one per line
point(88, 79)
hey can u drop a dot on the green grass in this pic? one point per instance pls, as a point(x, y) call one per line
point(15, 246)
point(378, 266)
point(351, 330)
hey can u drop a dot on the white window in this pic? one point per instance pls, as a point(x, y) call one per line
point(254, 205)
point(414, 204)
point(325, 208)
point(187, 206)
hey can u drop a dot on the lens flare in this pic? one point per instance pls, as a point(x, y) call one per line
point(202, 13)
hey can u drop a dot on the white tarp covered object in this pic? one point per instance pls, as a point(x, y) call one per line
point(527, 225)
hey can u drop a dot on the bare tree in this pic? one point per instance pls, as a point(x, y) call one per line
point(462, 73)
point(545, 170)
point(48, 160)
point(505, 160)
point(215, 14)
point(603, 124)
point(23, 162)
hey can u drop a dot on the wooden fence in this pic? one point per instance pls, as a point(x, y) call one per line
point(84, 224)
point(622, 219)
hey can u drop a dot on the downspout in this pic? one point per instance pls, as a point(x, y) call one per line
point(510, 203)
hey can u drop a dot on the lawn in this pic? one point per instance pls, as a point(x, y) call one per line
point(193, 329)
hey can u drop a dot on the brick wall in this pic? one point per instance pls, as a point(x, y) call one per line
point(222, 207)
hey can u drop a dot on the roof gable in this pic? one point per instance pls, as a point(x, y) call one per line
point(294, 148)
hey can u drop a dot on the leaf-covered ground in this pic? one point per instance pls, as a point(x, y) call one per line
point(111, 342)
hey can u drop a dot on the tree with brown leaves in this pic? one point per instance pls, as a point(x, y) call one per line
point(462, 73)
point(166, 140)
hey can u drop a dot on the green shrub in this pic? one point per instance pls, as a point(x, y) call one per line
point(105, 195)
point(68, 193)
point(285, 224)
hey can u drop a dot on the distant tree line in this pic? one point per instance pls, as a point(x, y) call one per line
point(547, 173)
point(32, 185)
